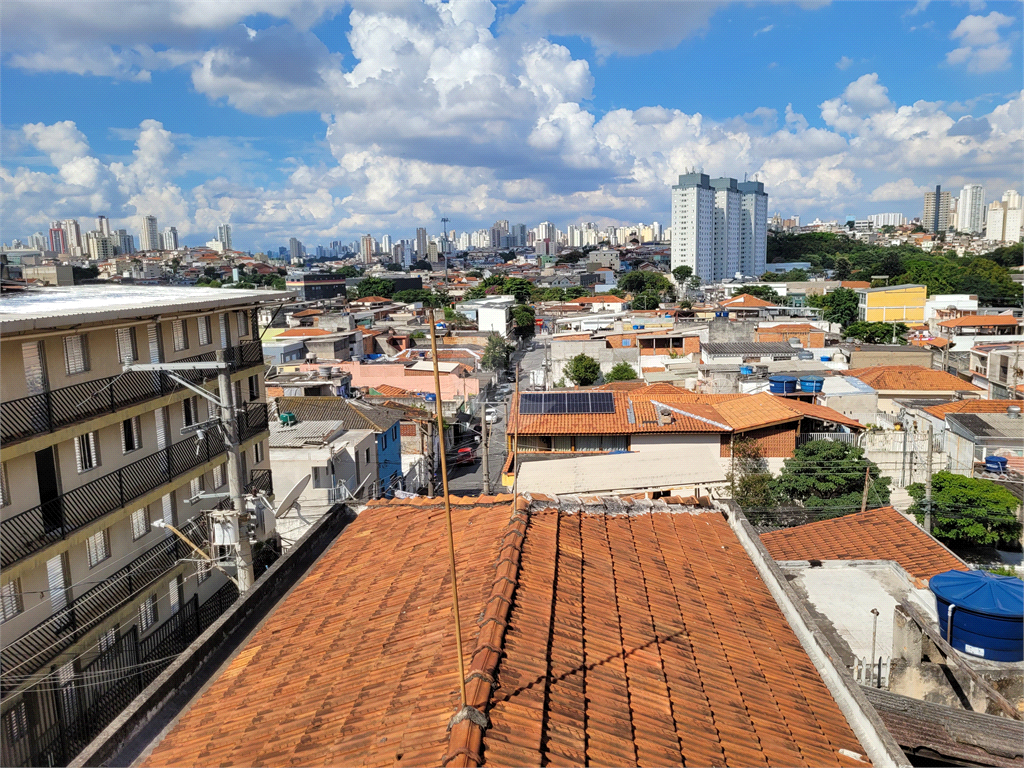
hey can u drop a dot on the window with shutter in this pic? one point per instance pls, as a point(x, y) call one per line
point(108, 638)
point(254, 388)
point(189, 411)
point(205, 337)
point(225, 335)
point(147, 613)
point(140, 523)
point(10, 599)
point(98, 548)
point(66, 686)
point(5, 498)
point(179, 335)
point(130, 435)
point(257, 453)
point(16, 722)
point(242, 318)
point(76, 357)
point(167, 509)
point(56, 583)
point(196, 486)
point(203, 571)
point(126, 351)
point(218, 476)
point(35, 369)
point(86, 452)
point(172, 593)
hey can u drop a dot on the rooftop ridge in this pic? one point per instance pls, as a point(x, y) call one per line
point(466, 729)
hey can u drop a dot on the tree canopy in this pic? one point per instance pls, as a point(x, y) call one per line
point(967, 509)
point(839, 306)
point(621, 372)
point(682, 273)
point(496, 353)
point(519, 287)
point(877, 333)
point(522, 319)
point(646, 300)
point(375, 286)
point(829, 476)
point(763, 292)
point(583, 370)
point(644, 280)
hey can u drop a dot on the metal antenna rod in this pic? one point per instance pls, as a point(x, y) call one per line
point(447, 509)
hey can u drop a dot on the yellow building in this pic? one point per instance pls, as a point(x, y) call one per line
point(895, 303)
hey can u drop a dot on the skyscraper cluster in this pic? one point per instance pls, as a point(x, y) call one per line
point(719, 226)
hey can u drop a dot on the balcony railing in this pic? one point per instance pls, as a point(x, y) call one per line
point(51, 521)
point(49, 411)
point(260, 480)
point(49, 638)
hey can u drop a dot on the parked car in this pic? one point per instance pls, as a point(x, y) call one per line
point(465, 456)
point(492, 415)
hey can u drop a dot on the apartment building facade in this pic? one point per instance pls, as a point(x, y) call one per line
point(94, 596)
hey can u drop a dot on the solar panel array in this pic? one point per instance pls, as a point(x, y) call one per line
point(566, 402)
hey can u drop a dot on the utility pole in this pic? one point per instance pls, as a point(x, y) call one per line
point(236, 483)
point(928, 485)
point(867, 484)
point(483, 441)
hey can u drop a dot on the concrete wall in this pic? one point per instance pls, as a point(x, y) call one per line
point(563, 352)
point(721, 330)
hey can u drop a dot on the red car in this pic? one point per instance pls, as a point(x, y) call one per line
point(465, 456)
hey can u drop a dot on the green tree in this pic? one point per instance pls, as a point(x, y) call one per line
point(422, 264)
point(792, 276)
point(583, 370)
point(968, 510)
point(644, 280)
point(78, 274)
point(522, 319)
point(456, 319)
point(375, 286)
point(842, 269)
point(764, 292)
point(475, 273)
point(519, 287)
point(694, 283)
point(496, 353)
point(394, 267)
point(413, 295)
point(347, 272)
point(877, 333)
point(553, 294)
point(751, 480)
point(576, 292)
point(682, 273)
point(477, 292)
point(621, 372)
point(646, 300)
point(829, 476)
point(495, 280)
point(279, 284)
point(839, 306)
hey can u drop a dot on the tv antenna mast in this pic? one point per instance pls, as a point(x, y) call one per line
point(444, 239)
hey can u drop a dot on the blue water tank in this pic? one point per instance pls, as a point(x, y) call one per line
point(430, 397)
point(781, 385)
point(826, 359)
point(811, 383)
point(995, 464)
point(746, 370)
point(988, 613)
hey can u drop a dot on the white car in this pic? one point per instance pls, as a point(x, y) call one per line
point(492, 415)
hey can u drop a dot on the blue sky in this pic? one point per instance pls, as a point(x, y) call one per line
point(324, 120)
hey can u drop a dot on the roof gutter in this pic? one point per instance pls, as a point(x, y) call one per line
point(882, 749)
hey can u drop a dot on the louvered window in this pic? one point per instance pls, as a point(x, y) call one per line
point(242, 319)
point(86, 452)
point(190, 411)
point(108, 638)
point(16, 722)
point(225, 335)
point(203, 570)
point(126, 351)
point(205, 336)
point(167, 509)
point(35, 370)
point(140, 523)
point(179, 334)
point(131, 435)
point(147, 613)
point(257, 453)
point(76, 355)
point(55, 582)
point(196, 486)
point(98, 548)
point(172, 593)
point(5, 497)
point(10, 599)
point(218, 476)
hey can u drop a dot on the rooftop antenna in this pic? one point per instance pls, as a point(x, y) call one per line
point(447, 509)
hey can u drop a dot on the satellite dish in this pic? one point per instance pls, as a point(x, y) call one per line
point(292, 496)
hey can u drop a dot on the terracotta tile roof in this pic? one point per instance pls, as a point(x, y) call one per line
point(936, 342)
point(301, 332)
point(308, 313)
point(370, 300)
point(877, 534)
point(790, 327)
point(855, 284)
point(745, 301)
point(352, 413)
point(597, 300)
point(821, 412)
point(622, 386)
point(390, 391)
point(911, 378)
point(974, 405)
point(979, 321)
point(617, 633)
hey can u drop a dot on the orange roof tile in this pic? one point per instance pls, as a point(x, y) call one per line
point(974, 405)
point(790, 327)
point(308, 313)
point(877, 534)
point(936, 342)
point(745, 301)
point(301, 332)
point(388, 390)
point(612, 639)
point(855, 284)
point(979, 321)
point(910, 378)
point(370, 300)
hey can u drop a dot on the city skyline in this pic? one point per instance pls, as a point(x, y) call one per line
point(536, 123)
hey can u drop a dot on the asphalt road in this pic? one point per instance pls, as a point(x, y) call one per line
point(469, 480)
